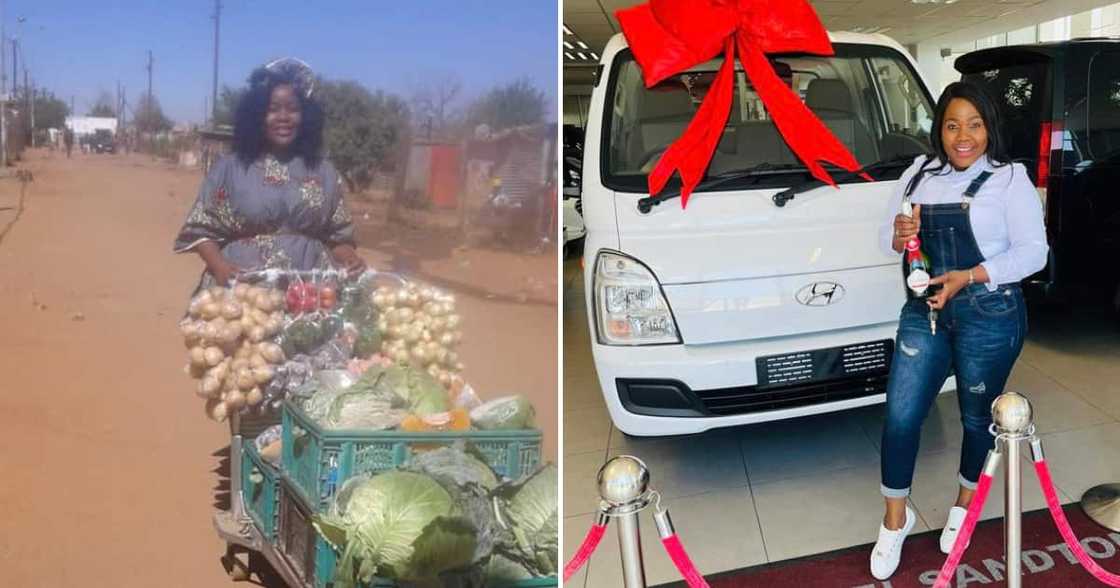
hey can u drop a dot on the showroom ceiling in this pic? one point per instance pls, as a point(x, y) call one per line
point(592, 23)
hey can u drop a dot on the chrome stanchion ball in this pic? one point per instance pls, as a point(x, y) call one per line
point(623, 480)
point(1011, 413)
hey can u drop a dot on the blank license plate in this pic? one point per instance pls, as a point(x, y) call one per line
point(870, 359)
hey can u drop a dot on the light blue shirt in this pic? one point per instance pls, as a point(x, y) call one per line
point(1006, 215)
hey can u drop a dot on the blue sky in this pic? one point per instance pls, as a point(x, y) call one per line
point(80, 49)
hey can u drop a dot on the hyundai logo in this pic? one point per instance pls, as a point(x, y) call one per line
point(820, 294)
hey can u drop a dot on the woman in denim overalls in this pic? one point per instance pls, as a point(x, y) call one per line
point(980, 222)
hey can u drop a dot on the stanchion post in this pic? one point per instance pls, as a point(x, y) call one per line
point(1013, 527)
point(623, 484)
point(1011, 414)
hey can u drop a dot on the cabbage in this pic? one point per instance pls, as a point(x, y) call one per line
point(455, 466)
point(530, 511)
point(470, 482)
point(508, 412)
point(358, 410)
point(503, 572)
point(423, 393)
point(396, 525)
point(407, 387)
point(328, 386)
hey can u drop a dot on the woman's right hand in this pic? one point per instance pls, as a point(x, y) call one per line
point(906, 227)
point(223, 271)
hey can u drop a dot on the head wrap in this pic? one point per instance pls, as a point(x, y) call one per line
point(289, 69)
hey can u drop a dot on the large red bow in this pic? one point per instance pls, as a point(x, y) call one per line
point(669, 36)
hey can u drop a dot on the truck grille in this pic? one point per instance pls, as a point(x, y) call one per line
point(749, 399)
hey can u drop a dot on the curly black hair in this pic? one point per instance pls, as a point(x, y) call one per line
point(248, 125)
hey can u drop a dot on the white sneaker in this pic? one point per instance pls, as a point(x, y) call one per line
point(953, 528)
point(888, 549)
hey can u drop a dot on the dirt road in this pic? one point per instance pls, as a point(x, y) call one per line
point(106, 468)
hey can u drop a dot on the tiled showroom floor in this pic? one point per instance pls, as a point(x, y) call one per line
point(770, 492)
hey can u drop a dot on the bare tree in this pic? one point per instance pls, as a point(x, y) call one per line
point(434, 102)
point(103, 106)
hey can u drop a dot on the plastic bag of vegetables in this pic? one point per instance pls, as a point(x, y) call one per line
point(399, 526)
point(324, 387)
point(528, 510)
point(507, 412)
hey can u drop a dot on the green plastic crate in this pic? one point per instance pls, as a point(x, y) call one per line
point(259, 489)
point(314, 560)
point(318, 461)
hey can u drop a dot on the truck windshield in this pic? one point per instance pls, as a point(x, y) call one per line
point(868, 96)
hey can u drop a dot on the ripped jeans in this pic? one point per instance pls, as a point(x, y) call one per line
point(979, 335)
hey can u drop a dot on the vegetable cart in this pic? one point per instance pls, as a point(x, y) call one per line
point(282, 506)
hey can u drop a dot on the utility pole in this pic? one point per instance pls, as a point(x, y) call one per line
point(15, 66)
point(3, 91)
point(217, 28)
point(29, 87)
point(150, 109)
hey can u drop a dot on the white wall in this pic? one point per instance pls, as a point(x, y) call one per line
point(86, 125)
point(939, 72)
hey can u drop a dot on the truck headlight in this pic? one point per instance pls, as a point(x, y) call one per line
point(630, 308)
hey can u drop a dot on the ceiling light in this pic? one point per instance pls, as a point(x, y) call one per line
point(595, 56)
point(567, 31)
point(582, 55)
point(568, 45)
point(582, 44)
point(569, 55)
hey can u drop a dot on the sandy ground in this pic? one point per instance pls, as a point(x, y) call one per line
point(107, 472)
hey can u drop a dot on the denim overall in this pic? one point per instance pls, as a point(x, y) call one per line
point(979, 335)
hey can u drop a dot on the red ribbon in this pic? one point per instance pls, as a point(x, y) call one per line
point(669, 36)
point(675, 549)
point(1059, 516)
point(949, 568)
point(590, 542)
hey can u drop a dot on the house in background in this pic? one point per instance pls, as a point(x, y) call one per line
point(88, 125)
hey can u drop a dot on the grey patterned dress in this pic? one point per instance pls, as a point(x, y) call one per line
point(269, 214)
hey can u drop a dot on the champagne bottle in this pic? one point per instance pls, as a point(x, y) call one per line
point(916, 269)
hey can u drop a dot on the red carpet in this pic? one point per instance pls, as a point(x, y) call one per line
point(1046, 560)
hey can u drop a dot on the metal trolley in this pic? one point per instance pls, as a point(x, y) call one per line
point(245, 541)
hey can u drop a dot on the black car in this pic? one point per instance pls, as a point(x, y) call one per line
point(1061, 112)
point(102, 142)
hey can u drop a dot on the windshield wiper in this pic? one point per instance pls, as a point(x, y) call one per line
point(751, 173)
point(783, 197)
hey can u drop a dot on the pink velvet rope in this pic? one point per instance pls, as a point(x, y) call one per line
point(684, 565)
point(590, 542)
point(949, 568)
point(1060, 521)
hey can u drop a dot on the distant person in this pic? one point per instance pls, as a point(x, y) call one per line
point(68, 138)
point(274, 201)
point(980, 221)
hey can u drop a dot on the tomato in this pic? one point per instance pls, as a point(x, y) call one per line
point(327, 297)
point(302, 298)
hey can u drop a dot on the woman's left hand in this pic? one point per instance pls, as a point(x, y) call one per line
point(951, 283)
point(349, 259)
